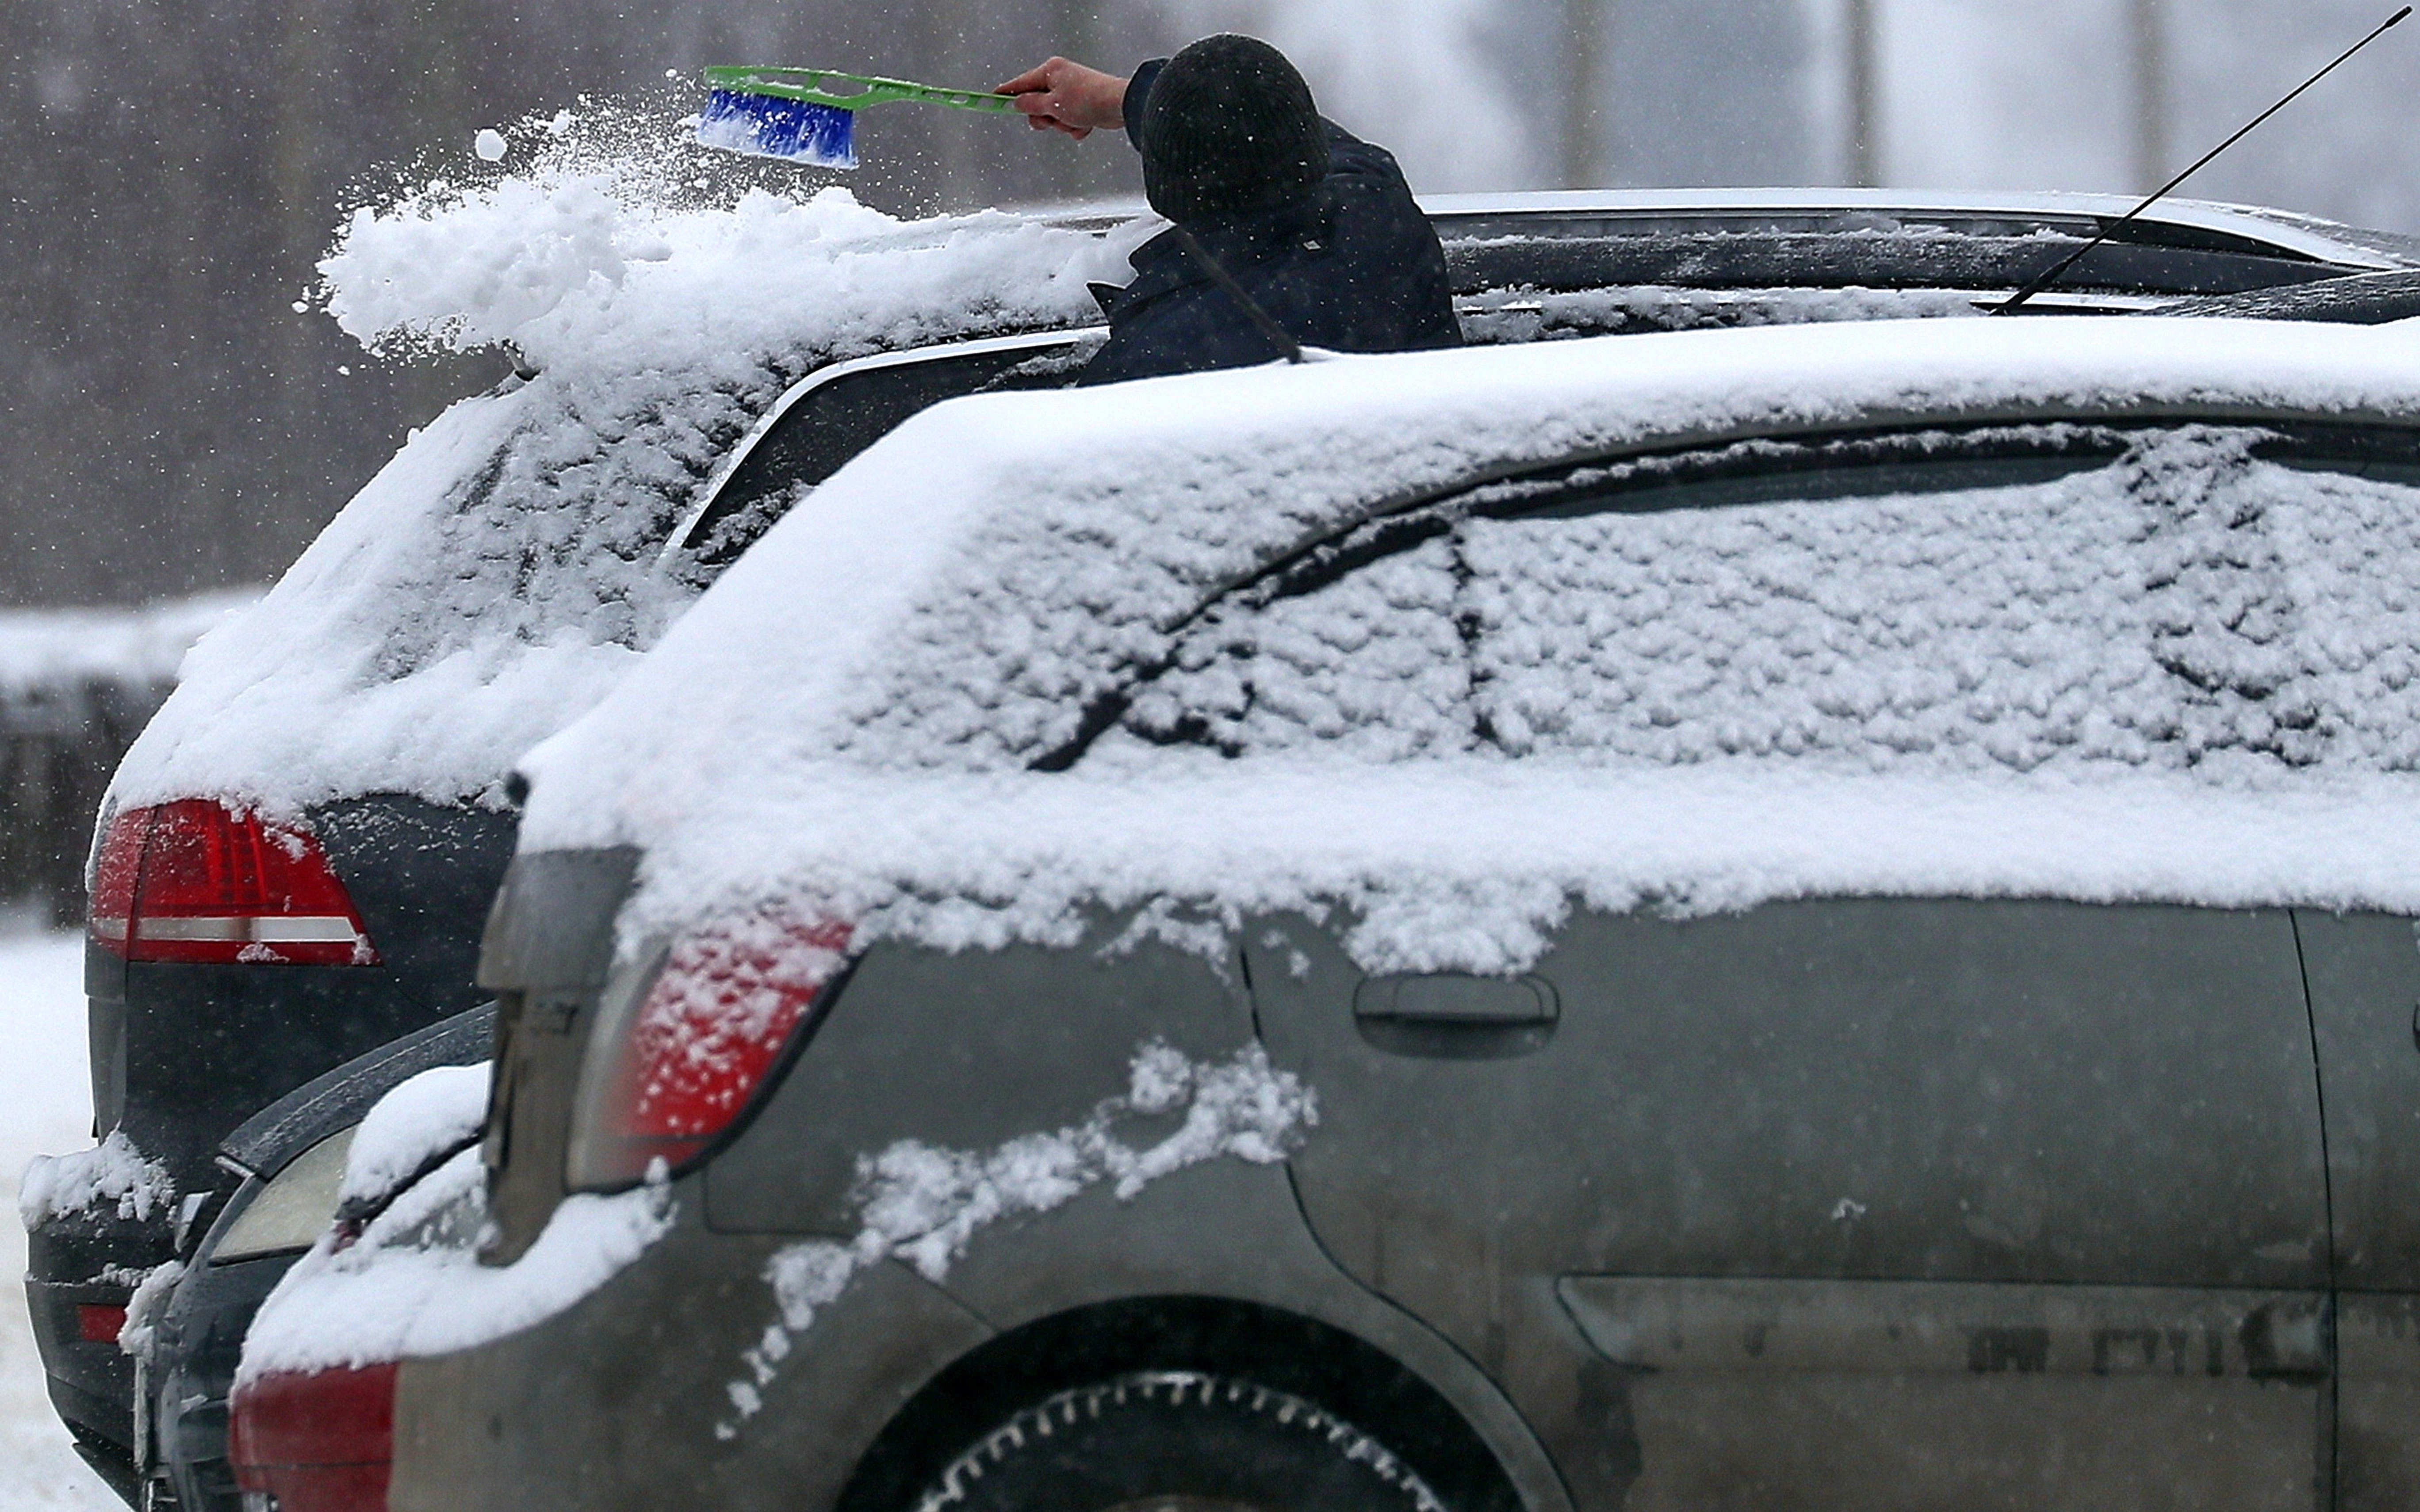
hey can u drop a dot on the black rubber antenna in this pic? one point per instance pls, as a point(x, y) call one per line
point(2059, 269)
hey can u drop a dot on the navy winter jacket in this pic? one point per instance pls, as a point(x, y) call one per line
point(1355, 268)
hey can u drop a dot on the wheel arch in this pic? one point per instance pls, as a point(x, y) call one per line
point(1357, 1379)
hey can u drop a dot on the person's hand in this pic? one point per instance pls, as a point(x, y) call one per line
point(1068, 97)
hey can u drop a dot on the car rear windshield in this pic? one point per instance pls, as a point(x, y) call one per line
point(1999, 596)
point(831, 422)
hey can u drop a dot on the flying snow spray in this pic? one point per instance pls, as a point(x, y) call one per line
point(810, 114)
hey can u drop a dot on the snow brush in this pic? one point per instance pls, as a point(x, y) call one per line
point(810, 114)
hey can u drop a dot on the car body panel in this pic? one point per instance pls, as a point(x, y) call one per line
point(2009, 1104)
point(2363, 971)
point(188, 1052)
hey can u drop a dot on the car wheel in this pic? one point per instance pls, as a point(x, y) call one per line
point(1177, 1441)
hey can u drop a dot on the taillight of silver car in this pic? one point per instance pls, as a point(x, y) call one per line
point(678, 1053)
point(314, 1441)
point(197, 881)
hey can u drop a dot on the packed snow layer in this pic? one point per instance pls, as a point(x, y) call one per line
point(2184, 675)
point(425, 1117)
point(112, 1177)
point(1527, 314)
point(499, 575)
point(413, 1283)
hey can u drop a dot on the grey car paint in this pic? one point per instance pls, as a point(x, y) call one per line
point(1876, 1203)
point(968, 1051)
point(2087, 1137)
point(2364, 972)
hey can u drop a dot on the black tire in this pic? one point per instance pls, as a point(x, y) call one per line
point(1170, 1440)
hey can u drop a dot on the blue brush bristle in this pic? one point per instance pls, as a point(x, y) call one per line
point(794, 131)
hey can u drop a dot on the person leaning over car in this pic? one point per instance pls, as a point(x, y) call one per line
point(1317, 226)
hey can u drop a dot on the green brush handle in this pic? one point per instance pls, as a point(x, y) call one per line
point(809, 85)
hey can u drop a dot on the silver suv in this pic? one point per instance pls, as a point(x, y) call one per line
point(1831, 946)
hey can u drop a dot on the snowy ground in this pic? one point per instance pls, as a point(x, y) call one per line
point(45, 1108)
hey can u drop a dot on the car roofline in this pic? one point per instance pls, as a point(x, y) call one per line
point(2299, 235)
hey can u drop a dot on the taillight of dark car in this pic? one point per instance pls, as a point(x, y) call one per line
point(315, 1441)
point(664, 1082)
point(197, 881)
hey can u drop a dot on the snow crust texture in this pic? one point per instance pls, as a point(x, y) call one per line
point(947, 705)
point(413, 1283)
point(499, 575)
point(923, 1205)
point(112, 1177)
point(424, 1116)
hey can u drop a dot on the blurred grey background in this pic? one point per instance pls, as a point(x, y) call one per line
point(175, 170)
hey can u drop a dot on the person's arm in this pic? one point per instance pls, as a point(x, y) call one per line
point(1063, 96)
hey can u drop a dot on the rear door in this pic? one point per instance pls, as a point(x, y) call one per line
point(1843, 1203)
point(1848, 1203)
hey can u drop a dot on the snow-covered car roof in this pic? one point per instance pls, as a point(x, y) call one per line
point(852, 711)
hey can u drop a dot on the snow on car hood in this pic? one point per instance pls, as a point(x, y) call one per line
point(497, 577)
point(849, 714)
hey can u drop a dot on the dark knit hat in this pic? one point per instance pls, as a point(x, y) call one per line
point(1228, 126)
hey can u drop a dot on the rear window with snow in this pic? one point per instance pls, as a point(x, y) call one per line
point(830, 418)
point(2004, 598)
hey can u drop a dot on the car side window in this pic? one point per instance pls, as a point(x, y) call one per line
point(1810, 626)
point(832, 423)
point(1371, 663)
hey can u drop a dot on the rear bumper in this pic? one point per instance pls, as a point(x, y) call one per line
point(615, 1405)
point(200, 1345)
point(91, 1260)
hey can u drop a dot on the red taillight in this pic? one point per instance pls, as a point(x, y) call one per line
point(97, 1323)
point(713, 1024)
point(318, 1442)
point(197, 881)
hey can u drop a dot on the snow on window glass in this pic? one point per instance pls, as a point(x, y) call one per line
point(1371, 666)
point(2186, 604)
point(2176, 606)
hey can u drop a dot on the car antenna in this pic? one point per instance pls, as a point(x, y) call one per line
point(1278, 336)
point(2059, 269)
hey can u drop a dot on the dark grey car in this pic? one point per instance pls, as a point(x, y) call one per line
point(1848, 1201)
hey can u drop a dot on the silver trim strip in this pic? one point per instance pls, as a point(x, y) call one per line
point(1028, 341)
point(281, 928)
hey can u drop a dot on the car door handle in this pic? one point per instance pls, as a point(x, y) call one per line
point(1449, 1016)
point(1449, 998)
